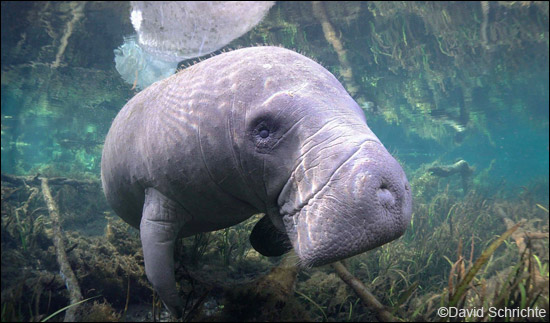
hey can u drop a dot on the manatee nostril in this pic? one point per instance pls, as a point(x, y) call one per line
point(385, 197)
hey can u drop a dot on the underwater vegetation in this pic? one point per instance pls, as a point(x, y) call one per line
point(448, 257)
point(457, 91)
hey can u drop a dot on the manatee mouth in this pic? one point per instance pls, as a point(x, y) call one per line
point(292, 213)
point(365, 203)
point(290, 199)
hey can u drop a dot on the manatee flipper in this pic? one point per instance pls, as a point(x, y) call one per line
point(159, 229)
point(267, 240)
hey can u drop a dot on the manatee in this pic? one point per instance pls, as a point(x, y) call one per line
point(255, 130)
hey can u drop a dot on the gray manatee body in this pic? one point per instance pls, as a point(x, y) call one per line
point(259, 129)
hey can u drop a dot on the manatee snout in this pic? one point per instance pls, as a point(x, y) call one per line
point(365, 203)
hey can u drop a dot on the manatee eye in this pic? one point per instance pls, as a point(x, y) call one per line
point(264, 133)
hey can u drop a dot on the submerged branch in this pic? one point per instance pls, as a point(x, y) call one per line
point(35, 180)
point(65, 268)
point(330, 35)
point(361, 291)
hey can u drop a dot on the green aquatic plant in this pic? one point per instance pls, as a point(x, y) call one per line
point(229, 242)
point(404, 297)
point(543, 268)
point(226, 246)
point(199, 247)
point(462, 287)
point(47, 318)
point(314, 304)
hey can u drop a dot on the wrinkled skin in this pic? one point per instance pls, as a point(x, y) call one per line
point(260, 129)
